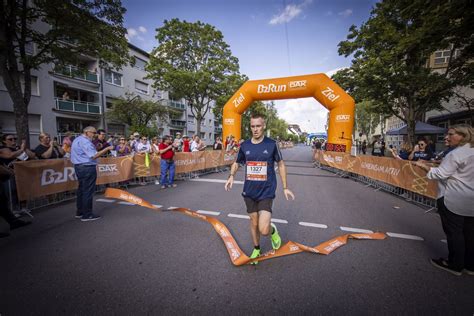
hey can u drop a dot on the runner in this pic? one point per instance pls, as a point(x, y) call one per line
point(259, 154)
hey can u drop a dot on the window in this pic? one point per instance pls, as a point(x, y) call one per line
point(443, 56)
point(34, 85)
point(141, 87)
point(140, 63)
point(113, 77)
point(191, 119)
point(210, 122)
point(203, 135)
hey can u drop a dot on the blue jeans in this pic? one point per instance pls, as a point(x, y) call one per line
point(165, 166)
point(86, 176)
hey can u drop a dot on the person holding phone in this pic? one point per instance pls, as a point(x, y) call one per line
point(47, 148)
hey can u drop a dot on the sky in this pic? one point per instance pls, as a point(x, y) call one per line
point(271, 38)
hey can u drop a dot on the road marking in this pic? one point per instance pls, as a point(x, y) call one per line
point(157, 205)
point(276, 220)
point(239, 216)
point(412, 237)
point(313, 225)
point(215, 181)
point(105, 200)
point(356, 230)
point(208, 212)
point(126, 203)
point(172, 207)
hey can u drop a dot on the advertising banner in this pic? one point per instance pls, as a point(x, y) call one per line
point(399, 173)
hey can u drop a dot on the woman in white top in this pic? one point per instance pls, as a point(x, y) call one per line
point(457, 207)
point(143, 146)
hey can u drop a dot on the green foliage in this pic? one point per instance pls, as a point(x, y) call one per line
point(140, 115)
point(193, 62)
point(391, 51)
point(366, 117)
point(75, 28)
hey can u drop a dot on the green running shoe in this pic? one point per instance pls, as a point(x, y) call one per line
point(276, 240)
point(255, 254)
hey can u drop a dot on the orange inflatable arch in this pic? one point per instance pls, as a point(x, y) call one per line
point(321, 87)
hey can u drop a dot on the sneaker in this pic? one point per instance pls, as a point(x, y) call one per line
point(91, 217)
point(78, 215)
point(469, 272)
point(174, 185)
point(255, 254)
point(443, 265)
point(276, 240)
point(163, 186)
point(157, 182)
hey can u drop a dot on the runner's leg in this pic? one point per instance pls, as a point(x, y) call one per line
point(254, 228)
point(264, 218)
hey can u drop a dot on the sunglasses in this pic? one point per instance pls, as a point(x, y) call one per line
point(421, 145)
point(144, 139)
point(11, 139)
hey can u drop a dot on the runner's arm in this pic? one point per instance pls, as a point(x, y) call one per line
point(282, 171)
point(230, 180)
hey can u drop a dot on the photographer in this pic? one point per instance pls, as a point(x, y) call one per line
point(48, 149)
point(167, 149)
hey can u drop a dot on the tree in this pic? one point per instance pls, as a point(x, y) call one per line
point(366, 118)
point(193, 62)
point(140, 115)
point(391, 51)
point(93, 27)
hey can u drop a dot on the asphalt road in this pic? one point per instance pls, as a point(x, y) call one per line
point(138, 261)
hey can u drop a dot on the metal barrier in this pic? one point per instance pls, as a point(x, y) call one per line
point(379, 185)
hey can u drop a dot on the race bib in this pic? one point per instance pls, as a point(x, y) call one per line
point(256, 170)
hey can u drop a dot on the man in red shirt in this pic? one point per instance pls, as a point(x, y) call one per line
point(167, 163)
point(186, 143)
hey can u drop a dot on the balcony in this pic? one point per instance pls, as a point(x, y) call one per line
point(174, 104)
point(77, 73)
point(77, 106)
point(177, 123)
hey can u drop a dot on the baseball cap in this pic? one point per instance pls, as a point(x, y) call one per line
point(136, 134)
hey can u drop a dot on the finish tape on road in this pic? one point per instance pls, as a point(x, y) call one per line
point(237, 256)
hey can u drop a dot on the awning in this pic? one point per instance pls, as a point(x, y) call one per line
point(420, 129)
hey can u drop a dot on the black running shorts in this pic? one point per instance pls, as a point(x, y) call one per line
point(255, 206)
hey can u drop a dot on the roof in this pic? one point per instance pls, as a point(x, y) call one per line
point(420, 129)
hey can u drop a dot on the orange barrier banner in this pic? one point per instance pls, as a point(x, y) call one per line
point(400, 173)
point(237, 256)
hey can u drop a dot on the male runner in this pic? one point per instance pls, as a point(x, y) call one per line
point(259, 154)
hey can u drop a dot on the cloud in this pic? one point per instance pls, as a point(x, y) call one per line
point(134, 34)
point(290, 12)
point(142, 29)
point(346, 13)
point(131, 33)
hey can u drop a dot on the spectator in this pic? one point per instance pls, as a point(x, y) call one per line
point(231, 144)
point(178, 142)
point(421, 151)
point(143, 146)
point(135, 141)
point(100, 142)
point(155, 145)
point(377, 148)
point(456, 207)
point(123, 149)
point(84, 158)
point(404, 153)
point(66, 95)
point(195, 143)
point(66, 144)
point(186, 144)
point(48, 149)
point(9, 152)
point(217, 144)
point(364, 147)
point(167, 162)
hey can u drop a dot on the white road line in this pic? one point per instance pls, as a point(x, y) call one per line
point(157, 205)
point(126, 203)
point(313, 225)
point(208, 212)
point(172, 207)
point(412, 237)
point(356, 230)
point(105, 200)
point(276, 220)
point(239, 216)
point(215, 181)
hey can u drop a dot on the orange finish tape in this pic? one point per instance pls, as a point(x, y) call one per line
point(237, 256)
